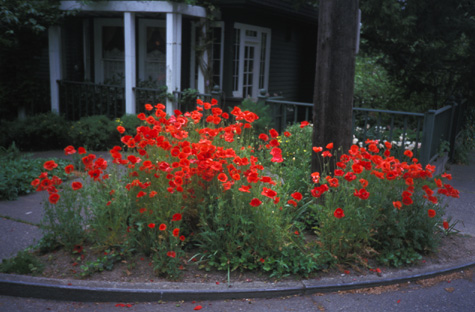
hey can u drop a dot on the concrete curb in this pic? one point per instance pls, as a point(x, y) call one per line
point(93, 291)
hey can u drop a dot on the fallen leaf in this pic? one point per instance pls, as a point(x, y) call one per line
point(450, 289)
point(198, 307)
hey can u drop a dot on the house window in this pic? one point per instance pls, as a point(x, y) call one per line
point(215, 56)
point(152, 51)
point(250, 60)
point(109, 51)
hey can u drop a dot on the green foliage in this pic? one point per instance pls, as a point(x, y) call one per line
point(426, 46)
point(96, 133)
point(18, 170)
point(41, 132)
point(105, 262)
point(23, 263)
point(265, 122)
point(187, 100)
point(465, 141)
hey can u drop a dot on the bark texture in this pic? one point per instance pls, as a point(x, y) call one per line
point(334, 78)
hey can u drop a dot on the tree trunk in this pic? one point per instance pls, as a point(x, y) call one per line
point(334, 78)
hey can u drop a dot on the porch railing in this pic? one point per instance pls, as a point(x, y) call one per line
point(79, 99)
point(423, 133)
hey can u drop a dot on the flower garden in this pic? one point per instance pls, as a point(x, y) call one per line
point(202, 188)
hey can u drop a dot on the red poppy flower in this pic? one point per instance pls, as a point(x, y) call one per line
point(151, 225)
point(445, 224)
point(447, 176)
point(222, 177)
point(176, 217)
point(53, 198)
point(276, 155)
point(406, 200)
point(171, 254)
point(268, 192)
point(303, 124)
point(162, 227)
point(255, 202)
point(297, 196)
point(317, 149)
point(273, 133)
point(263, 137)
point(148, 107)
point(327, 154)
point(120, 129)
point(431, 213)
point(315, 177)
point(35, 182)
point(408, 153)
point(50, 165)
point(76, 185)
point(81, 150)
point(329, 146)
point(245, 188)
point(262, 260)
point(364, 183)
point(69, 150)
point(141, 194)
point(292, 202)
point(287, 134)
point(176, 232)
point(339, 213)
point(68, 169)
point(397, 204)
point(142, 210)
point(198, 307)
point(182, 238)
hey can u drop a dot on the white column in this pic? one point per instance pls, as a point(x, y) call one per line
point(130, 68)
point(173, 72)
point(55, 72)
point(202, 64)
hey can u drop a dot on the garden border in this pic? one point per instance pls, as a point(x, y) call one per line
point(93, 291)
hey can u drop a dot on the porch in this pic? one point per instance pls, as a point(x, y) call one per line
point(99, 58)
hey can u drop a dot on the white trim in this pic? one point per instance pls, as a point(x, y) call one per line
point(98, 63)
point(256, 43)
point(135, 7)
point(143, 24)
point(201, 83)
point(130, 61)
point(173, 56)
point(55, 68)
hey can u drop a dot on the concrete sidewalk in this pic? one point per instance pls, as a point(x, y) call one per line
point(19, 228)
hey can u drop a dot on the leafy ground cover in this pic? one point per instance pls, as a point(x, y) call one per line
point(202, 187)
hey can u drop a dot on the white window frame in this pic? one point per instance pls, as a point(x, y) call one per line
point(256, 42)
point(98, 63)
point(143, 24)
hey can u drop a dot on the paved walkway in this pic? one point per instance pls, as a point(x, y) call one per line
point(18, 229)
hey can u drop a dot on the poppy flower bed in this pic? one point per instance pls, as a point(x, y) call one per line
point(203, 181)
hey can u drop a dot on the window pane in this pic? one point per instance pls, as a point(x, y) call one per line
point(155, 59)
point(113, 54)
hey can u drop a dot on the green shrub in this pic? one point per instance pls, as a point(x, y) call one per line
point(96, 133)
point(23, 263)
point(18, 170)
point(36, 133)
